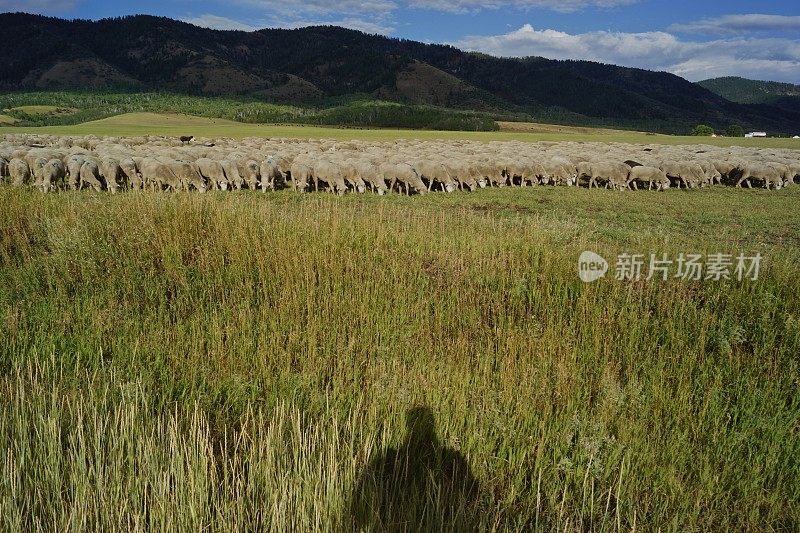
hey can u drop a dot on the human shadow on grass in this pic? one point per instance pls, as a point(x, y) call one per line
point(420, 486)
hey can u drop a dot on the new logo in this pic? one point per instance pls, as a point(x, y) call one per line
point(591, 267)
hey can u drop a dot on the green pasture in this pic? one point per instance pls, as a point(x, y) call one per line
point(177, 125)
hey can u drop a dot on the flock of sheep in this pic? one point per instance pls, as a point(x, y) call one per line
point(408, 166)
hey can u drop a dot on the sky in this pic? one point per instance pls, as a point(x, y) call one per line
point(694, 39)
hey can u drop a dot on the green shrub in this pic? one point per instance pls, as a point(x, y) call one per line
point(701, 130)
point(735, 130)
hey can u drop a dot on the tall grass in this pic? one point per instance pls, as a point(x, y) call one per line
point(237, 361)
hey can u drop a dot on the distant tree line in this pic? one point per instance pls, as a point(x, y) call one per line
point(358, 113)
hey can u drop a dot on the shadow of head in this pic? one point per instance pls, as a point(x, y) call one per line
point(421, 427)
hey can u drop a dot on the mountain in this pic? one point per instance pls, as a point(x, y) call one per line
point(321, 63)
point(746, 91)
point(785, 96)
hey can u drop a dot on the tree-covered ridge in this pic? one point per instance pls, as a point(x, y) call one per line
point(314, 64)
point(746, 91)
point(784, 96)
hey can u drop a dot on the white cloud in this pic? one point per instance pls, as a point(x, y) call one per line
point(353, 23)
point(216, 22)
point(776, 58)
point(316, 8)
point(378, 16)
point(369, 16)
point(373, 7)
point(37, 6)
point(747, 23)
point(564, 6)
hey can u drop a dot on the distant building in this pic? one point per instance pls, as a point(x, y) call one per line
point(756, 134)
point(796, 137)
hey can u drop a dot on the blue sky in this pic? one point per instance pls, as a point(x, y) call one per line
point(694, 39)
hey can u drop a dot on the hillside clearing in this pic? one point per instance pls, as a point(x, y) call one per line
point(42, 109)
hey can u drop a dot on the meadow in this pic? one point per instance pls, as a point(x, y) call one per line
point(239, 361)
point(175, 125)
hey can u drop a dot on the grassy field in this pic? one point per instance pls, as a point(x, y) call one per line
point(244, 361)
point(176, 125)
